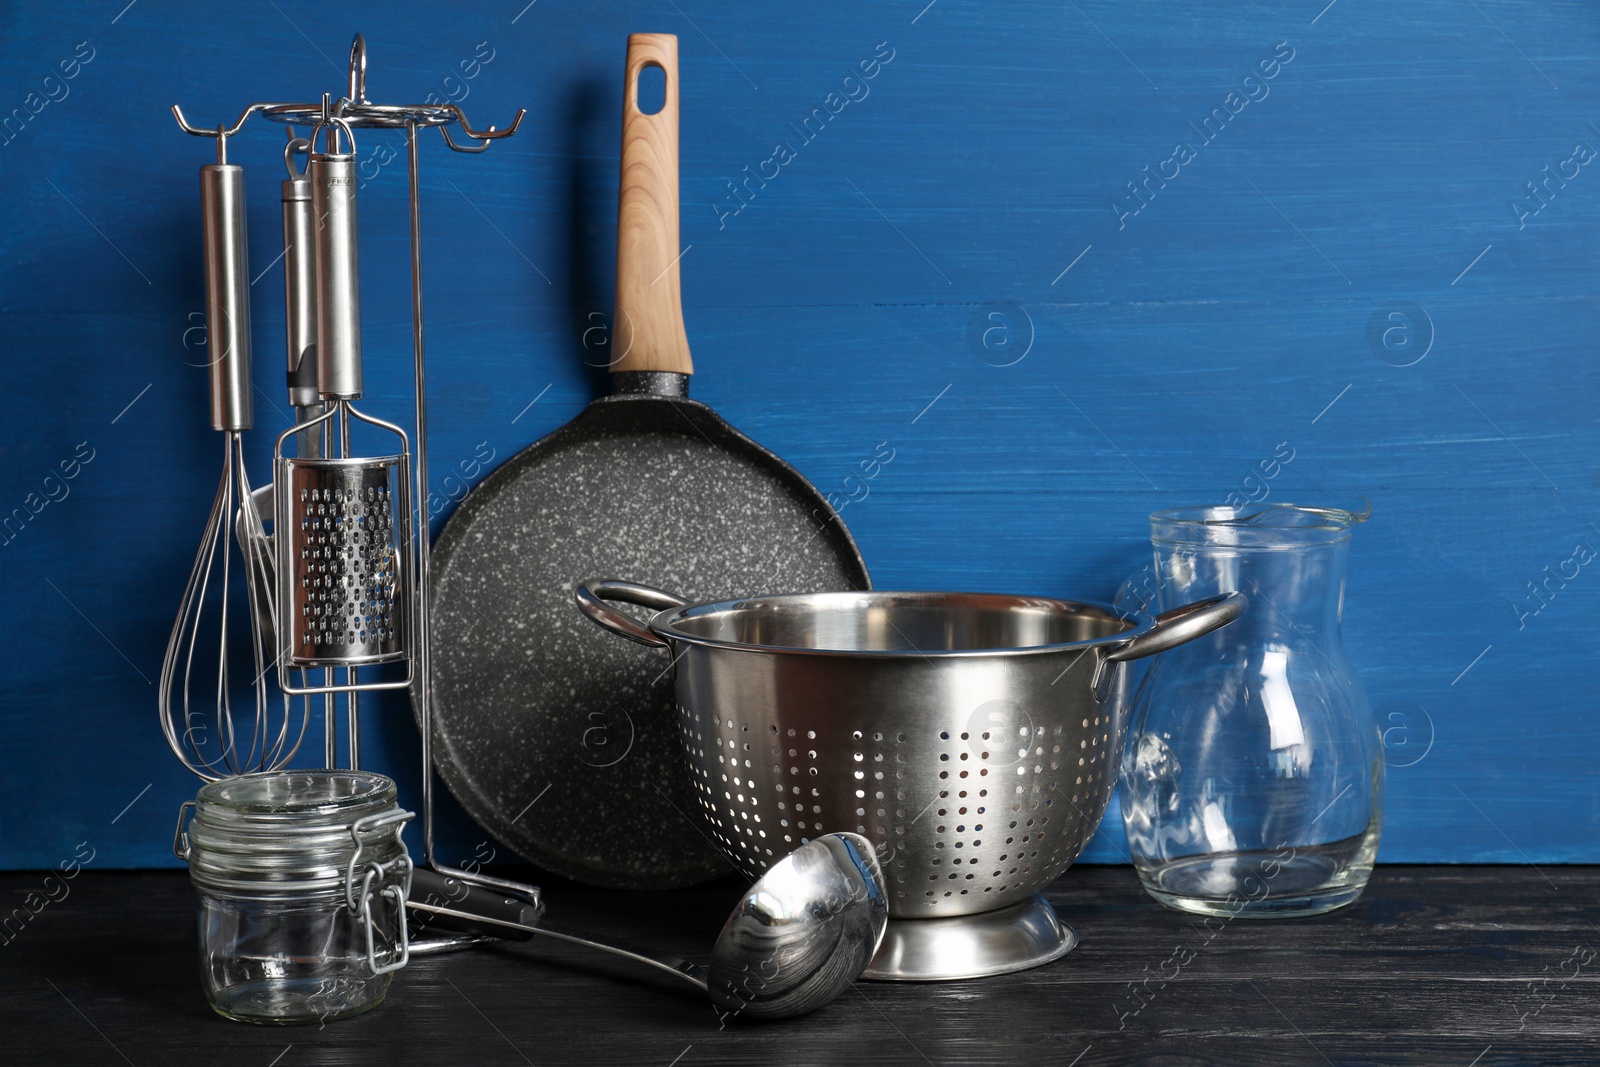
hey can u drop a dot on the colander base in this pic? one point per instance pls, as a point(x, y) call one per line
point(1009, 939)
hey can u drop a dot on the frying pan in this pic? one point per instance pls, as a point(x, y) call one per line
point(558, 740)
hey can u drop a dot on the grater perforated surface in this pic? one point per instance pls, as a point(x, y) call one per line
point(347, 521)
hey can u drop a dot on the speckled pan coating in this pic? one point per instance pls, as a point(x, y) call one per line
point(558, 737)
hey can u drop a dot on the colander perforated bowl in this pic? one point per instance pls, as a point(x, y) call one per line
point(971, 809)
point(971, 737)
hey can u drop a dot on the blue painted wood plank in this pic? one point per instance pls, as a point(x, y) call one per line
point(952, 262)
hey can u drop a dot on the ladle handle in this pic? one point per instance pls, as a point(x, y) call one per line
point(458, 919)
point(470, 909)
point(299, 292)
point(593, 594)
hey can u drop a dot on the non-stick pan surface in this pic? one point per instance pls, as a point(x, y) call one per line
point(559, 740)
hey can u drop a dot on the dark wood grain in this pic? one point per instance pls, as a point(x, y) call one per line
point(1473, 965)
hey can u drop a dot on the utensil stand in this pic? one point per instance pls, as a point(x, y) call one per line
point(336, 480)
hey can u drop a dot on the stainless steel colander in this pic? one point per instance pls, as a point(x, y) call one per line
point(971, 737)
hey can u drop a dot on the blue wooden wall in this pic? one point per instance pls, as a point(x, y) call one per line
point(1378, 253)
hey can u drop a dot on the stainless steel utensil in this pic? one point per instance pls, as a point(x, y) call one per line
point(345, 524)
point(299, 278)
point(794, 942)
point(205, 738)
point(299, 292)
point(971, 737)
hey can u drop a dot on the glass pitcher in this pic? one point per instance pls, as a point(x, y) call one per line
point(1253, 780)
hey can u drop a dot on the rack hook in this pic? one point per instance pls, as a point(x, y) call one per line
point(444, 131)
point(490, 134)
point(223, 131)
point(358, 70)
point(332, 123)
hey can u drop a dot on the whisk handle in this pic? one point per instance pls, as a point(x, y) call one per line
point(227, 294)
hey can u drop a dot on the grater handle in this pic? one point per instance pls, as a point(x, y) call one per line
point(227, 294)
point(338, 283)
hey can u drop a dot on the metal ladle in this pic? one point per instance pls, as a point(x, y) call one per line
point(796, 940)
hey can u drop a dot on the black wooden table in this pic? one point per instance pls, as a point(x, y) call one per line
point(1470, 966)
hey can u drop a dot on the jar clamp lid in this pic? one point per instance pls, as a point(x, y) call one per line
point(304, 835)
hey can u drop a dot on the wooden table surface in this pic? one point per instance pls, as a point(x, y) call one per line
point(1439, 965)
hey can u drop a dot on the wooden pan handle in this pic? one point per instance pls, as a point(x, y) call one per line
point(647, 332)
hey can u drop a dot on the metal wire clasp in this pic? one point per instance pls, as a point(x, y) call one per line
point(180, 836)
point(391, 880)
point(332, 122)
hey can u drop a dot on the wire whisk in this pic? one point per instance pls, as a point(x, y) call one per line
point(197, 709)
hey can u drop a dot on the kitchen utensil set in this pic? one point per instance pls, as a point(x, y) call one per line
point(899, 773)
point(340, 584)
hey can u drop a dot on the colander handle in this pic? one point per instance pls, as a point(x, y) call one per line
point(1182, 625)
point(593, 594)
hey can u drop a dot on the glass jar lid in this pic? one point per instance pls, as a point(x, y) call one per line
point(289, 832)
point(298, 794)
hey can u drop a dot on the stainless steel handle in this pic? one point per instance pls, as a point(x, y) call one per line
point(1181, 625)
point(694, 973)
point(593, 594)
point(338, 282)
point(227, 294)
point(501, 914)
point(299, 288)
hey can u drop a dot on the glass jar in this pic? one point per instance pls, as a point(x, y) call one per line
point(1252, 783)
point(302, 879)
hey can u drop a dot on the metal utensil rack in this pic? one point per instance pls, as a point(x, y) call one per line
point(354, 111)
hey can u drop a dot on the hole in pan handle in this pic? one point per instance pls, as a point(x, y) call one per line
point(593, 594)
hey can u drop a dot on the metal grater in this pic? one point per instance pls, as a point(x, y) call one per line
point(346, 599)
